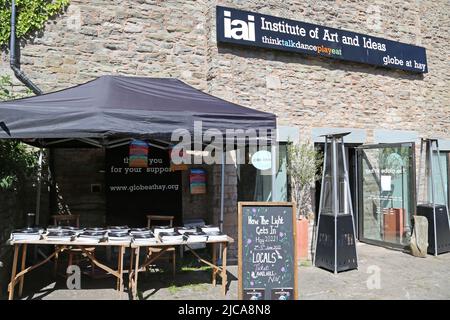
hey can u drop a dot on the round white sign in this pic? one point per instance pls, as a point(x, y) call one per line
point(262, 160)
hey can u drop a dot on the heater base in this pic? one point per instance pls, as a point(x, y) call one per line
point(346, 247)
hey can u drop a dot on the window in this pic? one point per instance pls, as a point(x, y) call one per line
point(256, 185)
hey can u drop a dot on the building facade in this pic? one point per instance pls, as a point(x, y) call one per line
point(311, 96)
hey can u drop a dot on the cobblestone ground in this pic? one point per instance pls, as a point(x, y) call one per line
point(382, 274)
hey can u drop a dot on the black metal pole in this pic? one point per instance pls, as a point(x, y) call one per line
point(13, 59)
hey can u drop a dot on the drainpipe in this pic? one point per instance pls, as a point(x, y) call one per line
point(13, 60)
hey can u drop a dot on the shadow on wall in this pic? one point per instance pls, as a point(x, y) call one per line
point(30, 38)
point(61, 205)
point(326, 63)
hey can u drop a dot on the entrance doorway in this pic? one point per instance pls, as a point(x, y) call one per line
point(386, 188)
point(352, 164)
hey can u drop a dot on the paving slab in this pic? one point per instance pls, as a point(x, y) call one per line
point(382, 274)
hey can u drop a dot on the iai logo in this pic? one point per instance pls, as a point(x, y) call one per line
point(239, 29)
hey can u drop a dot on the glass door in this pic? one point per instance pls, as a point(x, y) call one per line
point(352, 165)
point(386, 183)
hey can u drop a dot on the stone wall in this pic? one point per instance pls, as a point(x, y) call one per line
point(230, 222)
point(94, 37)
point(177, 39)
point(311, 92)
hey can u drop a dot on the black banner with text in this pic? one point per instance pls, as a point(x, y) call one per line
point(133, 193)
point(264, 31)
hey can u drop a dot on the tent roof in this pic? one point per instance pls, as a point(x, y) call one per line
point(112, 107)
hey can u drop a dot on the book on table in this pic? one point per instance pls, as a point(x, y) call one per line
point(158, 229)
point(73, 229)
point(62, 235)
point(91, 236)
point(140, 230)
point(196, 236)
point(143, 237)
point(119, 235)
point(118, 229)
point(183, 230)
point(170, 237)
point(194, 225)
point(30, 234)
point(95, 229)
point(216, 236)
point(210, 228)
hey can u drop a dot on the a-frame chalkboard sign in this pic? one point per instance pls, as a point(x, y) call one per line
point(267, 251)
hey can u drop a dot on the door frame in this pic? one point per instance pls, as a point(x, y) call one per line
point(448, 177)
point(413, 196)
point(447, 173)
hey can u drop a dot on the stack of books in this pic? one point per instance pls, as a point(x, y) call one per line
point(170, 237)
point(61, 235)
point(91, 235)
point(158, 229)
point(196, 236)
point(216, 236)
point(195, 224)
point(210, 228)
point(95, 229)
point(118, 228)
point(143, 237)
point(183, 230)
point(140, 230)
point(26, 234)
point(119, 235)
point(76, 230)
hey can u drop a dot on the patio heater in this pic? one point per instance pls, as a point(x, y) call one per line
point(335, 240)
point(432, 198)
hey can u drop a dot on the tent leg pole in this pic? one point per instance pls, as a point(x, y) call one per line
point(38, 190)
point(38, 198)
point(222, 200)
point(274, 171)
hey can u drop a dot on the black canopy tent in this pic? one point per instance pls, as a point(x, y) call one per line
point(111, 110)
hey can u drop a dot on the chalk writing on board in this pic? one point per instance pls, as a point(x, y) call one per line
point(268, 252)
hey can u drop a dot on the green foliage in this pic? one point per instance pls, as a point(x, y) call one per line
point(31, 16)
point(303, 165)
point(17, 160)
point(6, 89)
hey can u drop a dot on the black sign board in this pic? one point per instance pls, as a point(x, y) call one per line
point(133, 193)
point(264, 31)
point(267, 251)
